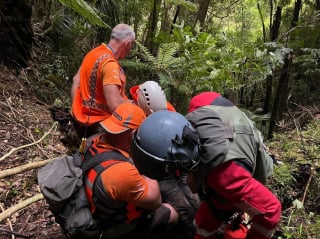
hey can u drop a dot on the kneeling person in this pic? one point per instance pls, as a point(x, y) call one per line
point(164, 144)
point(127, 202)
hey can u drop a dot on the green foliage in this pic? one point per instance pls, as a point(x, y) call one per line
point(85, 10)
point(305, 82)
point(190, 6)
point(296, 182)
point(298, 223)
point(164, 61)
point(213, 64)
point(163, 66)
point(283, 182)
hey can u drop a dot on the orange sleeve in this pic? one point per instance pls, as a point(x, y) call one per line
point(122, 181)
point(111, 74)
point(170, 107)
point(133, 92)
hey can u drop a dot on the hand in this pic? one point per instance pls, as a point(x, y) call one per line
point(240, 233)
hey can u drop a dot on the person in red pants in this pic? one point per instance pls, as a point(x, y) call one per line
point(233, 169)
point(226, 163)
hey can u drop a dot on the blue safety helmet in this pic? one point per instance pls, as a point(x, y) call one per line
point(165, 142)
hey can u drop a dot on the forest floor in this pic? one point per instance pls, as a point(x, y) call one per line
point(27, 135)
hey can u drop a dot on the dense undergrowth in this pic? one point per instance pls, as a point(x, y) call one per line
point(296, 180)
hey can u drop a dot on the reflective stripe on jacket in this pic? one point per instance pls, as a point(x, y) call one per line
point(89, 105)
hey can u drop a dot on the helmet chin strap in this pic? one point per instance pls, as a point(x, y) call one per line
point(185, 150)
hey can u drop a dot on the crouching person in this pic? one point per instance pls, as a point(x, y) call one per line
point(234, 167)
point(127, 202)
point(166, 144)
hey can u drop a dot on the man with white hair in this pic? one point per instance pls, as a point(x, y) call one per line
point(99, 85)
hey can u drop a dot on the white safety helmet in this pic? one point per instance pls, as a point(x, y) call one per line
point(150, 97)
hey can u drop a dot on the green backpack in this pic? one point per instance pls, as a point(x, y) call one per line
point(62, 185)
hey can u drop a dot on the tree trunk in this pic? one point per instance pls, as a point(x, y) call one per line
point(262, 22)
point(252, 95)
point(174, 21)
point(16, 32)
point(271, 14)
point(274, 30)
point(281, 96)
point(267, 94)
point(152, 26)
point(317, 8)
point(242, 100)
point(202, 12)
point(296, 11)
point(166, 22)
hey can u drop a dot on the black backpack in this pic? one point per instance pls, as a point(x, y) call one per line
point(61, 183)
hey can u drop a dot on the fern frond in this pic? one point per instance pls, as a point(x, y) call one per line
point(135, 64)
point(166, 53)
point(85, 10)
point(148, 56)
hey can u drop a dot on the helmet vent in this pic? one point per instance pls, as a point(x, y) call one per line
point(151, 98)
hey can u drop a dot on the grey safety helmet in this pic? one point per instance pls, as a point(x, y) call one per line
point(150, 97)
point(164, 143)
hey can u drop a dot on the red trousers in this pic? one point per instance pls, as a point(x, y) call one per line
point(240, 192)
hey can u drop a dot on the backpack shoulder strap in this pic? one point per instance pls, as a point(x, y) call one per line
point(102, 157)
point(92, 157)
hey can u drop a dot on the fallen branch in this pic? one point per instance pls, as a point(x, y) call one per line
point(8, 212)
point(9, 222)
point(25, 167)
point(28, 145)
point(313, 171)
point(13, 233)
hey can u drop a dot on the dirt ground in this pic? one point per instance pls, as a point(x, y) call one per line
point(27, 135)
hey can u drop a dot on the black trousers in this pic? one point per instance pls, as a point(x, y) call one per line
point(176, 192)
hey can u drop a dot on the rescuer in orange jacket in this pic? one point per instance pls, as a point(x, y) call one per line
point(99, 85)
point(128, 204)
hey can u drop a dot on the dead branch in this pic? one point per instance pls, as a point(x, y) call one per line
point(55, 124)
point(13, 233)
point(9, 222)
point(25, 167)
point(9, 102)
point(38, 146)
point(8, 212)
point(313, 171)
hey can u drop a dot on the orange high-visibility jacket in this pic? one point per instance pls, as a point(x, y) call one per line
point(89, 105)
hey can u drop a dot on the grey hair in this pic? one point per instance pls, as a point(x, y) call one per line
point(122, 32)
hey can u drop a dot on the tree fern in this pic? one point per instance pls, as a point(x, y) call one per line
point(165, 61)
point(166, 55)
